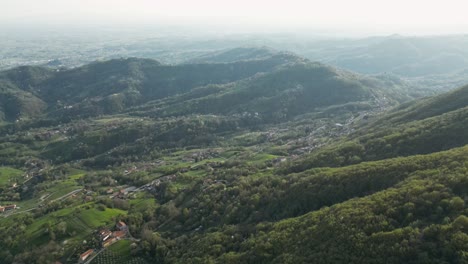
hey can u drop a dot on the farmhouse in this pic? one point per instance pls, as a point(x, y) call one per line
point(85, 255)
point(108, 242)
point(121, 226)
point(7, 208)
point(119, 234)
point(128, 190)
point(105, 234)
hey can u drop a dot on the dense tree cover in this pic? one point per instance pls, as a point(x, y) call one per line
point(243, 199)
point(443, 131)
point(111, 86)
point(291, 86)
point(236, 54)
point(272, 160)
point(279, 95)
point(422, 219)
point(425, 108)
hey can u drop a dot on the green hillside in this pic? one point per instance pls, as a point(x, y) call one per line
point(111, 86)
point(420, 127)
point(429, 107)
point(282, 94)
point(244, 156)
point(417, 216)
point(236, 54)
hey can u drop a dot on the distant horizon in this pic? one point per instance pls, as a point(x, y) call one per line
point(332, 18)
point(203, 29)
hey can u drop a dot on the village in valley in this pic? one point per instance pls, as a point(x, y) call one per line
point(90, 212)
point(106, 238)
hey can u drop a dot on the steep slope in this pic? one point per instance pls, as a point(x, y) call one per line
point(18, 98)
point(421, 218)
point(209, 151)
point(232, 55)
point(419, 127)
point(404, 56)
point(428, 107)
point(282, 94)
point(17, 105)
point(273, 85)
point(111, 86)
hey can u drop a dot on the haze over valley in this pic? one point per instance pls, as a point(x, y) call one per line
point(248, 132)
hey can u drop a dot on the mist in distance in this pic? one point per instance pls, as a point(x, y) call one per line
point(327, 18)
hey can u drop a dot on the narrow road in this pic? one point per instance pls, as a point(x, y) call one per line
point(95, 255)
point(30, 209)
point(13, 213)
point(67, 195)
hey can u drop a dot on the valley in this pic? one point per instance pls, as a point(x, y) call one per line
point(240, 156)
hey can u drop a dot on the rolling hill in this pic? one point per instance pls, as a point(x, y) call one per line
point(247, 156)
point(111, 86)
point(406, 130)
point(273, 84)
point(284, 93)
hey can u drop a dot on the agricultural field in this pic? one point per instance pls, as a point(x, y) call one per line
point(9, 175)
point(118, 253)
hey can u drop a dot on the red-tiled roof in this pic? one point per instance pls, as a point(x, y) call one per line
point(86, 254)
point(108, 242)
point(119, 234)
point(104, 232)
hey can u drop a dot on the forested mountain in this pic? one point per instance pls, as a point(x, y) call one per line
point(275, 85)
point(111, 86)
point(402, 55)
point(284, 93)
point(242, 156)
point(407, 130)
point(236, 54)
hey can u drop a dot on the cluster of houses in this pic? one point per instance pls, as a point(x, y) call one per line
point(143, 167)
point(208, 183)
point(86, 254)
point(7, 208)
point(200, 155)
point(122, 193)
point(154, 184)
point(46, 135)
point(107, 238)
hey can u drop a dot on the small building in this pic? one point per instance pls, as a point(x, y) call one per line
point(85, 255)
point(105, 234)
point(10, 207)
point(121, 226)
point(119, 234)
point(7, 208)
point(128, 190)
point(108, 242)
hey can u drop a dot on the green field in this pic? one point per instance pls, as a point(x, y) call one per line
point(76, 174)
point(142, 203)
point(6, 173)
point(62, 188)
point(121, 248)
point(118, 253)
point(94, 218)
point(80, 222)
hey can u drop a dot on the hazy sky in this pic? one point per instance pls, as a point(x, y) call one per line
point(397, 16)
